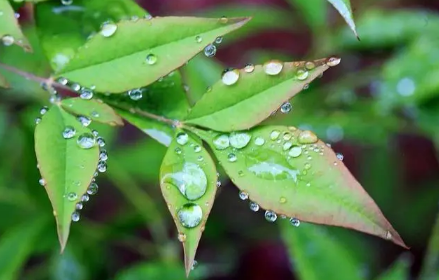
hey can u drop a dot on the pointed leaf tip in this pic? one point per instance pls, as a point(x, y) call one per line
point(345, 10)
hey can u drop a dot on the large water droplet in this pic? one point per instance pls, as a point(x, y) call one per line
point(189, 179)
point(302, 74)
point(333, 61)
point(210, 50)
point(254, 206)
point(108, 29)
point(221, 142)
point(295, 222)
point(190, 215)
point(7, 40)
point(135, 94)
point(295, 151)
point(182, 138)
point(230, 77)
point(307, 137)
point(86, 141)
point(151, 59)
point(239, 140)
point(286, 107)
point(269, 165)
point(270, 216)
point(273, 67)
point(243, 195)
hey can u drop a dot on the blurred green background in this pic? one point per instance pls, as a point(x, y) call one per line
point(379, 108)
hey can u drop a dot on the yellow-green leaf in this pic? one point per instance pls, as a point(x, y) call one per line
point(10, 32)
point(93, 109)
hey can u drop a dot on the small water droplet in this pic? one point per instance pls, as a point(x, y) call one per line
point(302, 74)
point(194, 265)
point(178, 151)
point(181, 237)
point(270, 216)
point(182, 138)
point(151, 59)
point(190, 215)
point(102, 166)
point(218, 40)
point(221, 142)
point(197, 148)
point(333, 61)
point(75, 87)
point(8, 40)
point(286, 107)
point(198, 39)
point(210, 50)
point(86, 94)
point(42, 182)
point(62, 81)
point(243, 195)
point(100, 141)
point(108, 29)
point(254, 206)
point(232, 157)
point(249, 68)
point(310, 65)
point(86, 141)
point(218, 184)
point(307, 137)
point(135, 94)
point(84, 121)
point(273, 67)
point(224, 20)
point(71, 196)
point(259, 141)
point(307, 166)
point(44, 110)
point(79, 206)
point(274, 134)
point(75, 216)
point(85, 198)
point(230, 77)
point(37, 120)
point(295, 222)
point(287, 145)
point(95, 133)
point(340, 156)
point(92, 189)
point(239, 140)
point(282, 200)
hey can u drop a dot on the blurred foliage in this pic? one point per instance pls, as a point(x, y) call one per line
point(380, 108)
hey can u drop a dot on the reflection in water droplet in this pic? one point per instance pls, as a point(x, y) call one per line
point(86, 141)
point(269, 165)
point(182, 138)
point(273, 67)
point(270, 216)
point(232, 157)
point(259, 141)
point(249, 68)
point(295, 222)
point(254, 206)
point(243, 195)
point(221, 142)
point(151, 59)
point(230, 77)
point(190, 215)
point(274, 134)
point(307, 137)
point(189, 179)
point(69, 132)
point(210, 50)
point(239, 140)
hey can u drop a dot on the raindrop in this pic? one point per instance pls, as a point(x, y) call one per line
point(239, 140)
point(273, 67)
point(79, 206)
point(274, 134)
point(307, 137)
point(259, 141)
point(63, 81)
point(75, 87)
point(108, 29)
point(340, 156)
point(100, 141)
point(249, 68)
point(254, 206)
point(37, 120)
point(200, 158)
point(86, 141)
point(333, 61)
point(181, 237)
point(190, 215)
point(44, 110)
point(286, 107)
point(198, 39)
point(86, 94)
point(189, 179)
point(232, 157)
point(85, 198)
point(71, 196)
point(221, 142)
point(92, 189)
point(243, 195)
point(151, 59)
point(210, 50)
point(230, 77)
point(218, 40)
point(103, 155)
point(310, 65)
point(84, 121)
point(270, 216)
point(135, 94)
point(42, 182)
point(182, 138)
point(197, 148)
point(295, 222)
point(102, 166)
point(302, 74)
point(7, 40)
point(75, 216)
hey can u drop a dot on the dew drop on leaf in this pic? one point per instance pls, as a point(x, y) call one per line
point(274, 134)
point(85, 198)
point(259, 141)
point(232, 157)
point(269, 165)
point(92, 189)
point(151, 59)
point(295, 222)
point(286, 107)
point(71, 196)
point(270, 216)
point(221, 142)
point(230, 77)
point(302, 74)
point(86, 141)
point(189, 179)
point(197, 148)
point(243, 195)
point(239, 140)
point(37, 120)
point(210, 50)
point(102, 166)
point(218, 40)
point(43, 110)
point(333, 61)
point(273, 67)
point(190, 215)
point(75, 87)
point(181, 237)
point(307, 137)
point(254, 206)
point(42, 182)
point(86, 94)
point(100, 141)
point(8, 40)
point(75, 216)
point(69, 132)
point(62, 81)
point(182, 138)
point(295, 151)
point(178, 151)
point(84, 121)
point(198, 39)
point(224, 20)
point(249, 68)
point(135, 94)
point(310, 65)
point(287, 145)
point(340, 156)
point(108, 29)
point(79, 206)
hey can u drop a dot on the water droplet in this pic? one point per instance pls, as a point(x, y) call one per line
point(189, 179)
point(84, 121)
point(306, 86)
point(86, 141)
point(243, 195)
point(85, 198)
point(75, 216)
point(194, 265)
point(95, 114)
point(75, 87)
point(7, 40)
point(232, 157)
point(197, 148)
point(190, 215)
point(274, 134)
point(254, 206)
point(286, 107)
point(44, 110)
point(224, 20)
point(388, 235)
point(108, 29)
point(178, 151)
point(210, 50)
point(100, 141)
point(42, 182)
point(295, 222)
point(269, 165)
point(218, 184)
point(230, 77)
point(295, 151)
point(63, 81)
point(273, 67)
point(151, 59)
point(287, 145)
point(181, 237)
point(302, 74)
point(86, 94)
point(198, 39)
point(135, 94)
point(218, 40)
point(37, 120)
point(102, 166)
point(71, 196)
point(79, 206)
point(307, 166)
point(286, 136)
point(270, 216)
point(239, 140)
point(92, 189)
point(259, 141)
point(307, 137)
point(333, 61)
point(200, 158)
point(182, 138)
point(221, 142)
point(249, 68)
point(340, 156)
point(55, 98)
point(95, 133)
point(282, 200)
point(310, 65)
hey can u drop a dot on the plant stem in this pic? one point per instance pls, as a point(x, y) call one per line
point(26, 75)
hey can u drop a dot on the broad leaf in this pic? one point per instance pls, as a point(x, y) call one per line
point(137, 54)
point(16, 245)
point(430, 267)
point(188, 182)
point(65, 166)
point(317, 255)
point(93, 109)
point(255, 95)
point(3, 82)
point(344, 8)
point(291, 173)
point(63, 29)
point(10, 32)
point(400, 270)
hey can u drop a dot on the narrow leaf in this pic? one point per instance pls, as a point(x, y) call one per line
point(344, 8)
point(16, 245)
point(137, 54)
point(66, 168)
point(188, 182)
point(255, 95)
point(3, 82)
point(430, 267)
point(291, 173)
point(400, 270)
point(93, 109)
point(10, 32)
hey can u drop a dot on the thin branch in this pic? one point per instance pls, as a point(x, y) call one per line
point(26, 75)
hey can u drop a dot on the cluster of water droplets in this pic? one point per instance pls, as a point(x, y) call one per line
point(210, 49)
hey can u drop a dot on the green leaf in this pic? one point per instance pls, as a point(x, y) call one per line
point(430, 267)
point(63, 29)
point(3, 82)
point(290, 172)
point(318, 255)
point(255, 95)
point(188, 182)
point(16, 245)
point(400, 270)
point(345, 10)
point(313, 11)
point(138, 54)
point(10, 32)
point(93, 109)
point(66, 168)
